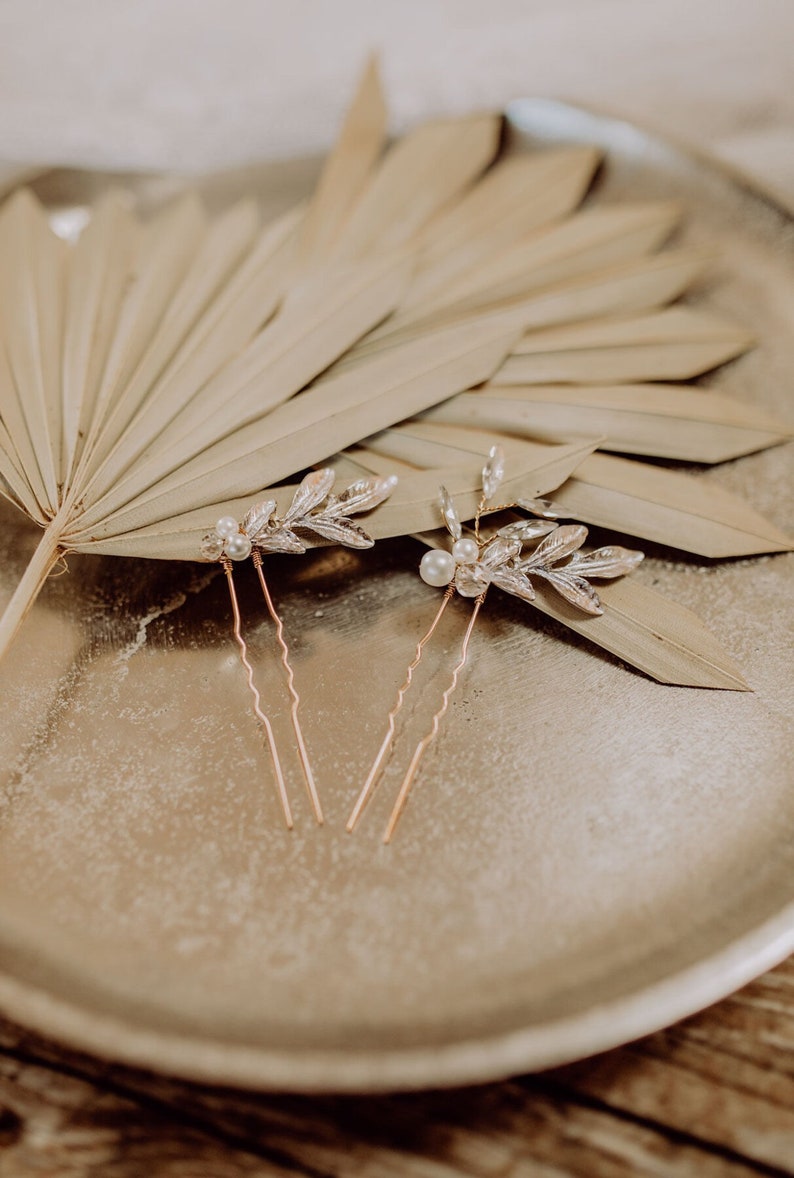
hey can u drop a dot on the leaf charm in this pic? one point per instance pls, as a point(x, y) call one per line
point(556, 559)
point(340, 531)
point(500, 550)
point(450, 513)
point(527, 529)
point(360, 496)
point(513, 581)
point(606, 562)
point(310, 493)
point(265, 531)
point(556, 546)
point(257, 518)
point(574, 589)
point(493, 472)
point(281, 539)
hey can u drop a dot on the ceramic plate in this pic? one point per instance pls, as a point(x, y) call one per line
point(587, 856)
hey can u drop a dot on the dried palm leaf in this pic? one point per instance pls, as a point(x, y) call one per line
point(667, 507)
point(675, 344)
point(661, 421)
point(155, 375)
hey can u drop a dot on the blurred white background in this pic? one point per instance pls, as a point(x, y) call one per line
point(196, 84)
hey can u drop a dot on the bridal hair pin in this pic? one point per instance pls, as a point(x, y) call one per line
point(471, 567)
point(313, 512)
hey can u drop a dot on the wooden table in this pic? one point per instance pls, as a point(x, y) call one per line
point(713, 1096)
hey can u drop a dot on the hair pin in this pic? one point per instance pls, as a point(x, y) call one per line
point(314, 511)
point(474, 563)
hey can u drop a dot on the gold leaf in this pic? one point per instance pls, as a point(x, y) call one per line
point(256, 519)
point(556, 546)
point(361, 495)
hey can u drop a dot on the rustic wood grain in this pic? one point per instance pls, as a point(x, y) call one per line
point(711, 1097)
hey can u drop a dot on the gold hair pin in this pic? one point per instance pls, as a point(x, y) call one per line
point(476, 562)
point(313, 512)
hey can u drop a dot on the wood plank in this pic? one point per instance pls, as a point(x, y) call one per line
point(114, 1123)
point(709, 1098)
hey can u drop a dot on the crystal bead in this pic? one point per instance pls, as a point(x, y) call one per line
point(450, 513)
point(471, 580)
point(545, 508)
point(211, 546)
point(493, 472)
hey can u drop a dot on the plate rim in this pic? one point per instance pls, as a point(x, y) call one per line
point(487, 1058)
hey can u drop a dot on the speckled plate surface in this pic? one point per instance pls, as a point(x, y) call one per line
point(588, 855)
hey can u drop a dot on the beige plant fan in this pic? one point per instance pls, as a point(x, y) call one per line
point(432, 298)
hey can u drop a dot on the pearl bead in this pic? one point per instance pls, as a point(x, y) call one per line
point(238, 546)
point(226, 526)
point(465, 551)
point(437, 567)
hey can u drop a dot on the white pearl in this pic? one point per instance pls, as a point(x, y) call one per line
point(465, 551)
point(437, 567)
point(238, 546)
point(226, 526)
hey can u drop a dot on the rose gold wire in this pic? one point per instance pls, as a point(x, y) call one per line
point(311, 786)
point(260, 715)
point(426, 741)
point(477, 517)
point(388, 739)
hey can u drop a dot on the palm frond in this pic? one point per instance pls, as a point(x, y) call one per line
point(431, 296)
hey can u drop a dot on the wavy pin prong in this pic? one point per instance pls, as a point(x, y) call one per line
point(303, 756)
point(260, 715)
point(314, 510)
point(388, 740)
point(476, 562)
point(427, 740)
